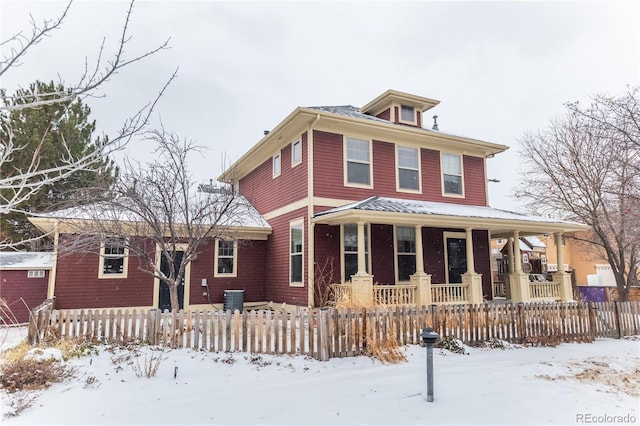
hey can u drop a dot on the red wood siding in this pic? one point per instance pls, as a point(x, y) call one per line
point(329, 174)
point(250, 274)
point(277, 261)
point(16, 289)
point(433, 254)
point(267, 193)
point(327, 257)
point(78, 285)
point(482, 260)
point(419, 117)
point(385, 115)
point(382, 262)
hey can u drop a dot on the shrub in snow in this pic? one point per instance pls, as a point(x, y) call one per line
point(452, 344)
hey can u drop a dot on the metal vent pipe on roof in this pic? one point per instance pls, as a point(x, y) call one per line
point(435, 123)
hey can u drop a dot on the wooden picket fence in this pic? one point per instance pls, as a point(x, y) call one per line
point(329, 333)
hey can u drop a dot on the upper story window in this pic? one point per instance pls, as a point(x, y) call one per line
point(452, 174)
point(113, 258)
point(35, 273)
point(408, 161)
point(277, 165)
point(406, 252)
point(358, 162)
point(226, 258)
point(296, 153)
point(296, 242)
point(407, 114)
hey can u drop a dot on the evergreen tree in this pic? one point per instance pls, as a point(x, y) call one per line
point(49, 134)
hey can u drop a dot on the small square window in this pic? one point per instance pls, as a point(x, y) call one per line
point(277, 166)
point(296, 153)
point(408, 114)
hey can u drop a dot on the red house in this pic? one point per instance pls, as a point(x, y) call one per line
point(363, 198)
point(24, 278)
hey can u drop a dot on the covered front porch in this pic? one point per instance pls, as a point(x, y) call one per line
point(394, 251)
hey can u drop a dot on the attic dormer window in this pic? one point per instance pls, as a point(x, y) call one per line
point(407, 114)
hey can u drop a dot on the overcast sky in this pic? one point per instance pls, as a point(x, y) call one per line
point(500, 69)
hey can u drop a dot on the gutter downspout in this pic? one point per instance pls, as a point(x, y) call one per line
point(311, 227)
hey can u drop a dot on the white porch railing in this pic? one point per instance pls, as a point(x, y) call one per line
point(449, 293)
point(342, 293)
point(394, 294)
point(545, 290)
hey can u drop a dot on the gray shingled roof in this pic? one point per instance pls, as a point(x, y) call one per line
point(26, 260)
point(349, 110)
point(397, 205)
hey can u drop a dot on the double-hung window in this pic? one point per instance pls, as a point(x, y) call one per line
point(407, 114)
point(277, 165)
point(358, 162)
point(406, 252)
point(452, 174)
point(350, 244)
point(296, 153)
point(226, 258)
point(296, 252)
point(408, 168)
point(113, 258)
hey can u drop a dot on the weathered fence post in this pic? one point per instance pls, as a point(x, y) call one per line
point(592, 321)
point(617, 314)
point(151, 327)
point(522, 323)
point(323, 350)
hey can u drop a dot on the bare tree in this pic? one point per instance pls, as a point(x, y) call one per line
point(19, 185)
point(585, 167)
point(160, 213)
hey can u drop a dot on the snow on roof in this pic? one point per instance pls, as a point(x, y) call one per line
point(240, 213)
point(26, 260)
point(534, 241)
point(396, 205)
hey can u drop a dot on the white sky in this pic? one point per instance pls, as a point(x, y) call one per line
point(500, 68)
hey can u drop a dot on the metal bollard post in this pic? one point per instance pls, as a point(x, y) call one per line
point(429, 337)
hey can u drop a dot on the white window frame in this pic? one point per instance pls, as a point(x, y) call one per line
point(396, 253)
point(276, 160)
point(295, 224)
point(347, 161)
point(35, 273)
point(402, 120)
point(125, 262)
point(525, 258)
point(217, 273)
point(543, 259)
point(442, 173)
point(398, 167)
point(343, 252)
point(295, 162)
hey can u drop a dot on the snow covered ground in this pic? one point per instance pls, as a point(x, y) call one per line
point(568, 384)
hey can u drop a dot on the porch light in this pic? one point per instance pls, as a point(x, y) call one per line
point(429, 337)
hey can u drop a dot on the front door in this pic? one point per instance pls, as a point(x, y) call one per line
point(456, 259)
point(164, 296)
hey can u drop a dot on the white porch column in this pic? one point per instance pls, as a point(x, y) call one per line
point(471, 278)
point(471, 267)
point(517, 255)
point(510, 254)
point(362, 259)
point(419, 251)
point(421, 280)
point(566, 292)
point(518, 281)
point(361, 281)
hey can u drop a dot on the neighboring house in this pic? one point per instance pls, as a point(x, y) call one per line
point(24, 277)
point(365, 198)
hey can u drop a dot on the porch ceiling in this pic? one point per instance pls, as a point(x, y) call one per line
point(443, 215)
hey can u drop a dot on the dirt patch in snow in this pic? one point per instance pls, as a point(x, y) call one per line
point(602, 371)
